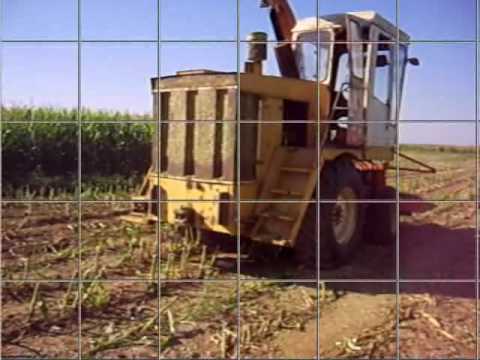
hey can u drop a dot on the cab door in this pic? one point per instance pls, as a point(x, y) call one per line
point(380, 95)
point(356, 101)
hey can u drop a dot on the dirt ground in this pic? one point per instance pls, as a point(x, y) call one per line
point(337, 318)
point(356, 319)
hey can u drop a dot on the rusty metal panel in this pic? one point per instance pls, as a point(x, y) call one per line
point(215, 140)
point(155, 140)
point(176, 148)
point(164, 106)
point(189, 166)
point(164, 119)
point(204, 144)
point(204, 149)
point(194, 82)
point(206, 104)
point(228, 99)
point(177, 133)
point(215, 134)
point(229, 150)
point(194, 136)
point(177, 105)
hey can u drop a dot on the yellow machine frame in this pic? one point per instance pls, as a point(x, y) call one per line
point(213, 200)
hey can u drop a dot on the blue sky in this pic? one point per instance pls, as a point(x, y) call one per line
point(116, 76)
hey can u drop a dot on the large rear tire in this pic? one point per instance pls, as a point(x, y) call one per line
point(306, 243)
point(342, 217)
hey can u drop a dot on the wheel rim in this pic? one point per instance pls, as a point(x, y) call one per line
point(344, 216)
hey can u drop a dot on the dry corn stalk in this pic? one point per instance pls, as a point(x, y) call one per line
point(33, 303)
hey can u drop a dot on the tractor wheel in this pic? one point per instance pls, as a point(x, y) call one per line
point(306, 243)
point(381, 226)
point(342, 218)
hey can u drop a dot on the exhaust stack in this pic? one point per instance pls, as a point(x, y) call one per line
point(257, 52)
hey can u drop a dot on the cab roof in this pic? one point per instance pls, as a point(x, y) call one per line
point(339, 21)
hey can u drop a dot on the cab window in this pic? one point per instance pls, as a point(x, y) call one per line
point(383, 73)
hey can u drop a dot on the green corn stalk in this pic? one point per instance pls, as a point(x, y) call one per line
point(121, 150)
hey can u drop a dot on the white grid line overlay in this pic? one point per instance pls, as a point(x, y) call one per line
point(398, 280)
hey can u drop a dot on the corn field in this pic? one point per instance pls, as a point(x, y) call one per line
point(40, 148)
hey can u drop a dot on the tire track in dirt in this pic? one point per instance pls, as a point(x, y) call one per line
point(435, 318)
point(340, 323)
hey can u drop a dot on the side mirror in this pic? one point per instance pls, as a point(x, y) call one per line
point(382, 61)
point(414, 61)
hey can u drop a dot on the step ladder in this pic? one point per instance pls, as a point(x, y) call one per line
point(345, 87)
point(292, 177)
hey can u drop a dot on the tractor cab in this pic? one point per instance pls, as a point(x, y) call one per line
point(359, 63)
